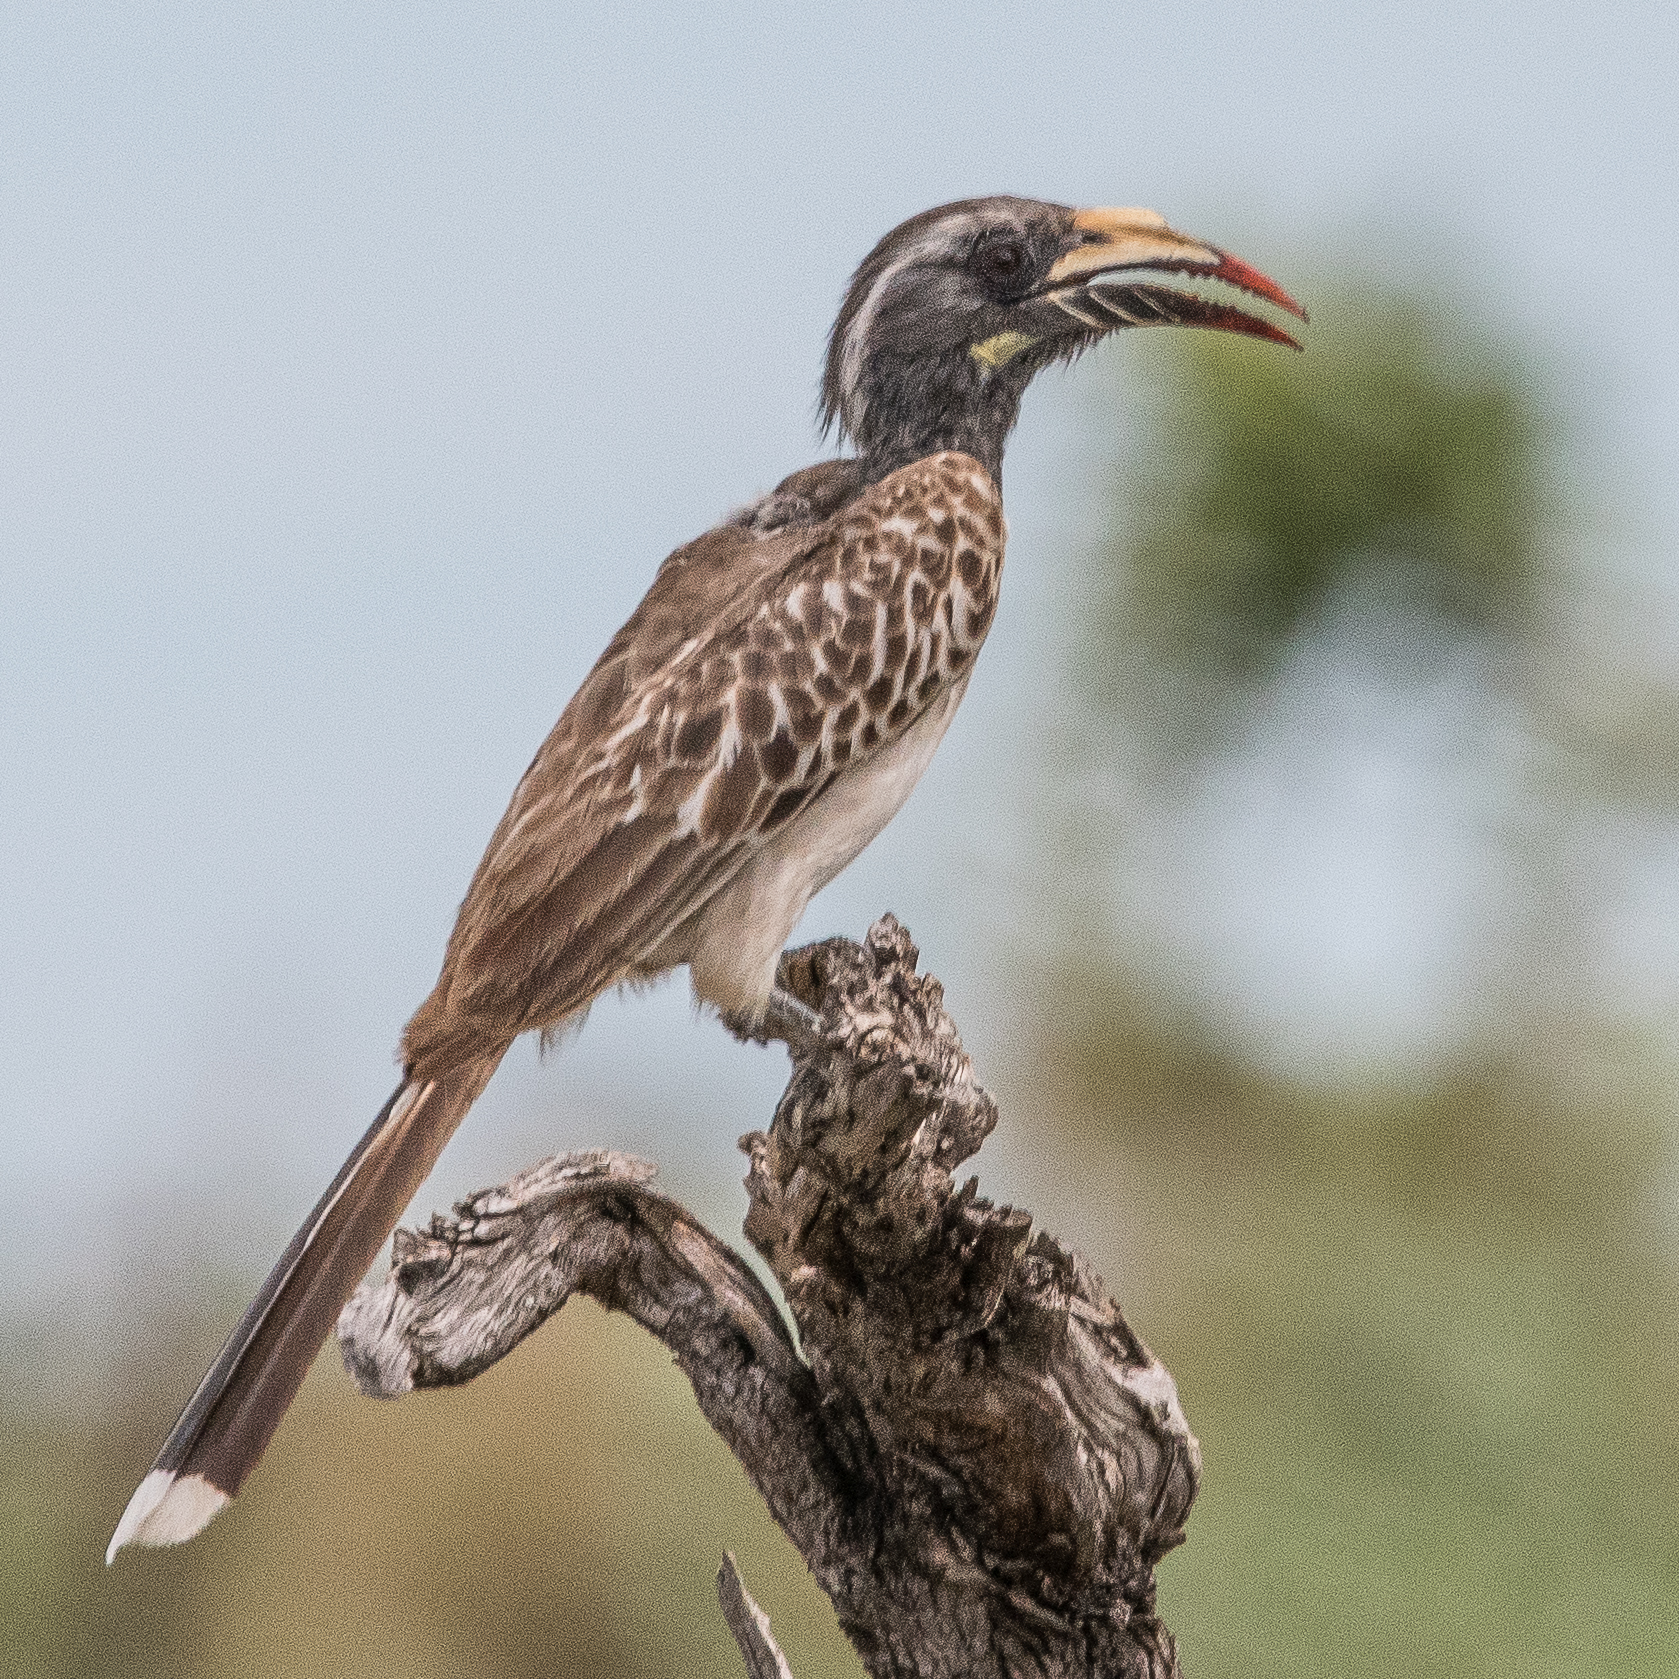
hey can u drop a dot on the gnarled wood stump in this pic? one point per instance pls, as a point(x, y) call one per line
point(979, 1461)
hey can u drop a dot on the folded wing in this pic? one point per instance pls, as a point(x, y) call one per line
point(676, 762)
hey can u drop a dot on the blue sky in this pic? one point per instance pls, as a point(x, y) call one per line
point(360, 363)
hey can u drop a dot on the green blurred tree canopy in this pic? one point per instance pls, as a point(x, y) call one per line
point(1397, 440)
point(1424, 1327)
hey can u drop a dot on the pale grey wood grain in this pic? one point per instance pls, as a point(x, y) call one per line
point(750, 1625)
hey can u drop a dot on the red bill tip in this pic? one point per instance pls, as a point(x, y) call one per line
point(1233, 271)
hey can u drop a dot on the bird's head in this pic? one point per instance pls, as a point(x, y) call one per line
point(950, 315)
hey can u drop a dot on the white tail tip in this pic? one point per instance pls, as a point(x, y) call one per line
point(164, 1511)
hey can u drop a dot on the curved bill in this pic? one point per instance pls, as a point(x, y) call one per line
point(1104, 282)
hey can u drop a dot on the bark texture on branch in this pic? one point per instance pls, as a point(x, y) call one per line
point(977, 1458)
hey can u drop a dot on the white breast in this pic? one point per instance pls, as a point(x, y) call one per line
point(743, 929)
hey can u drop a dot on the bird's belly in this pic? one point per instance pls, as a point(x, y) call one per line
point(741, 932)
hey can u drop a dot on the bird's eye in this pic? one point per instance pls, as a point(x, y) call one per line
point(1000, 261)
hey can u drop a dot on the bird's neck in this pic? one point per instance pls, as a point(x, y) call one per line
point(911, 411)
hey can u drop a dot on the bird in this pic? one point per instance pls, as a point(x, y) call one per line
point(757, 721)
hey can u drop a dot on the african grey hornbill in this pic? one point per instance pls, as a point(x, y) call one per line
point(759, 719)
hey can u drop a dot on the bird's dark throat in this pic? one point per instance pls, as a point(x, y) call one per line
point(917, 406)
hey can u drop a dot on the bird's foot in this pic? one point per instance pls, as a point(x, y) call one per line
point(785, 1020)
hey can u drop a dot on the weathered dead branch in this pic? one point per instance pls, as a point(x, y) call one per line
point(979, 1461)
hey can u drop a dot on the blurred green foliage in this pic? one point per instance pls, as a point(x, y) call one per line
point(1398, 439)
point(1425, 1336)
point(1424, 1327)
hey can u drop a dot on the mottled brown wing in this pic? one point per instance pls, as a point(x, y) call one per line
point(757, 669)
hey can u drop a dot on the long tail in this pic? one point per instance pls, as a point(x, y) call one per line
point(229, 1421)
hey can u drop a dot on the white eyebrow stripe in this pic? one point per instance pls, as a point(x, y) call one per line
point(949, 236)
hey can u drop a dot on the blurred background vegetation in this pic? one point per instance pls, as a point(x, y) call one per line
point(1421, 1306)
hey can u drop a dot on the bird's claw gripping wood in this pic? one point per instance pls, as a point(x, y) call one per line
point(785, 1020)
